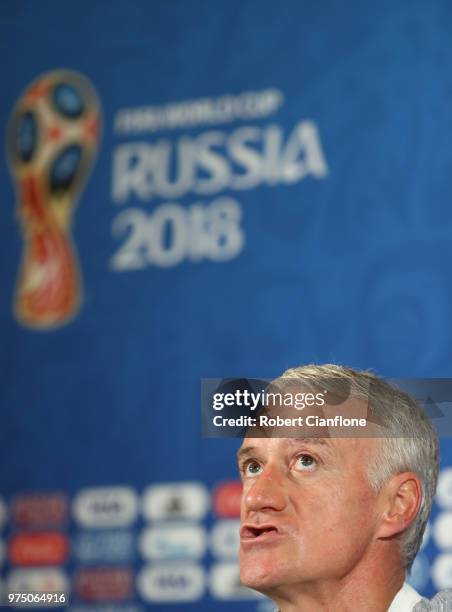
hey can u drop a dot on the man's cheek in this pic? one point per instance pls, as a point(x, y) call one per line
point(245, 491)
point(313, 504)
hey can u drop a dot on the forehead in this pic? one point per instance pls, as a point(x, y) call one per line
point(331, 417)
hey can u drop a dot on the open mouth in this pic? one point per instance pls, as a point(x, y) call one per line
point(257, 532)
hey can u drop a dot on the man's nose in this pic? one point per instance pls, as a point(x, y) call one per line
point(266, 493)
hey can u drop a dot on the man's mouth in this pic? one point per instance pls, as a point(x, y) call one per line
point(255, 533)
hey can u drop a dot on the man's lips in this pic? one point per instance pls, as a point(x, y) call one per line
point(251, 533)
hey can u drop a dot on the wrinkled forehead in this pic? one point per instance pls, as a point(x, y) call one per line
point(329, 392)
point(291, 409)
point(336, 390)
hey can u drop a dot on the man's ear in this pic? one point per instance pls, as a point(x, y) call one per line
point(401, 498)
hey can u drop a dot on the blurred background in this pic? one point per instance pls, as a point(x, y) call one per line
point(203, 189)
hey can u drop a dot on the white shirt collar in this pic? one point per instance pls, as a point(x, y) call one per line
point(405, 600)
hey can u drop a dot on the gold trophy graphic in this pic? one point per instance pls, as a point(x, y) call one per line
point(53, 136)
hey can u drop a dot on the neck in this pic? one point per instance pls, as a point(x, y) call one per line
point(369, 587)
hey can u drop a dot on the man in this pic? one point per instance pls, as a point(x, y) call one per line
point(332, 523)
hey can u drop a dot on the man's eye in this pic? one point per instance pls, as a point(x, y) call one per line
point(305, 462)
point(251, 468)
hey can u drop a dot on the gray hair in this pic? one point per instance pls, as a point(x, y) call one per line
point(409, 444)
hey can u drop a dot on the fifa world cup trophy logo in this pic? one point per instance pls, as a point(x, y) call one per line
point(52, 143)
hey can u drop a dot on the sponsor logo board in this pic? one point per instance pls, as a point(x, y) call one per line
point(3, 513)
point(444, 489)
point(226, 499)
point(187, 500)
point(39, 509)
point(442, 530)
point(442, 572)
point(2, 552)
point(40, 548)
point(172, 541)
point(39, 579)
point(105, 546)
point(171, 583)
point(225, 539)
point(106, 507)
point(104, 584)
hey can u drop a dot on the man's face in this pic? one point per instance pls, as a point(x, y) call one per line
point(308, 512)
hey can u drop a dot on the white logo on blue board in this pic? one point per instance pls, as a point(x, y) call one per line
point(178, 500)
point(225, 539)
point(104, 546)
point(106, 507)
point(444, 490)
point(210, 165)
point(442, 571)
point(173, 541)
point(171, 582)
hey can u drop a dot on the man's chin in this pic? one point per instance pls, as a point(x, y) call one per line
point(259, 577)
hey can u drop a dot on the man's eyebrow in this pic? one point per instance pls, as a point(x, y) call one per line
point(245, 451)
point(323, 442)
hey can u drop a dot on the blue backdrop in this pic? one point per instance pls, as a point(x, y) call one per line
point(246, 186)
